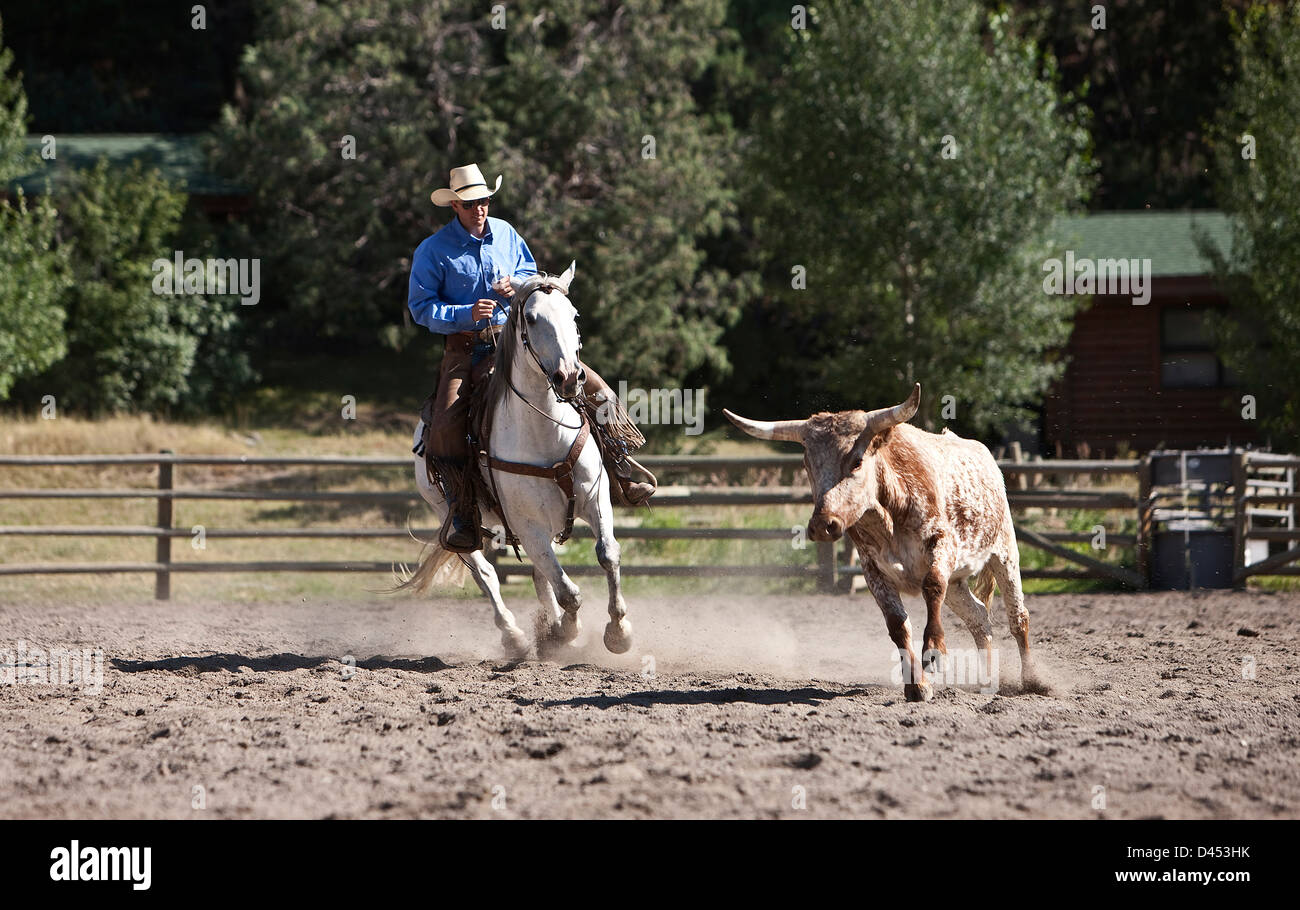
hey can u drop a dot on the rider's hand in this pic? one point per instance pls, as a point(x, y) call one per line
point(505, 287)
point(483, 308)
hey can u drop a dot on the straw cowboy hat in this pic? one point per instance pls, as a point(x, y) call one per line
point(467, 184)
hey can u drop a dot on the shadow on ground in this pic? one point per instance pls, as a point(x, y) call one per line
point(801, 696)
point(275, 663)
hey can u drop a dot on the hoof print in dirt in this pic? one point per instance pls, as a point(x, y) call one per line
point(806, 761)
point(1035, 687)
point(552, 649)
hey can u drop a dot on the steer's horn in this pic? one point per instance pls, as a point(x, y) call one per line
point(784, 430)
point(882, 419)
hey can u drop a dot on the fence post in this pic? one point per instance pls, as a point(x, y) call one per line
point(826, 565)
point(1144, 528)
point(1018, 457)
point(1239, 517)
point(162, 585)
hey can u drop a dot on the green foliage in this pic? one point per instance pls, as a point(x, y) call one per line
point(1151, 78)
point(15, 160)
point(920, 266)
point(130, 349)
point(1261, 272)
point(591, 90)
point(559, 102)
point(32, 272)
point(335, 235)
point(33, 277)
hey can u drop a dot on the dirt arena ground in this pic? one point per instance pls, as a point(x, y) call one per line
point(763, 706)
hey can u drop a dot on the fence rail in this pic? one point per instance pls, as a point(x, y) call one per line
point(1023, 493)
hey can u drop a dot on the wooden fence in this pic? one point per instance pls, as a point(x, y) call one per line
point(1264, 509)
point(1025, 481)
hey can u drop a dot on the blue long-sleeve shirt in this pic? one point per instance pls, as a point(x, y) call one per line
point(452, 268)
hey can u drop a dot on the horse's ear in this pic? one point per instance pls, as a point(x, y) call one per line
point(567, 278)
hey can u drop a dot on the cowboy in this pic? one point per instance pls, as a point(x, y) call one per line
point(462, 278)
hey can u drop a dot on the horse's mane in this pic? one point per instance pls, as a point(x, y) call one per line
point(508, 340)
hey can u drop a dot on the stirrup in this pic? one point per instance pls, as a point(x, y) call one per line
point(632, 473)
point(449, 530)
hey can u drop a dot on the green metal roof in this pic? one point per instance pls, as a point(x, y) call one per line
point(1168, 239)
point(180, 158)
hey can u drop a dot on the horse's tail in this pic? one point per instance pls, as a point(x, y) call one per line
point(437, 567)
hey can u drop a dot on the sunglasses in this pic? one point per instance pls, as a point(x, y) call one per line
point(475, 203)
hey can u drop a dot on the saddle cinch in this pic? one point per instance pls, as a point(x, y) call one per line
point(615, 438)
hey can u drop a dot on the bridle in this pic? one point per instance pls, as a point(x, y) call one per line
point(575, 400)
point(562, 471)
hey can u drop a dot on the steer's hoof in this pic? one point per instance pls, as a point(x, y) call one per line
point(918, 692)
point(618, 636)
point(934, 661)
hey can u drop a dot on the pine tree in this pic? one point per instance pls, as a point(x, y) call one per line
point(909, 175)
point(33, 272)
point(1257, 146)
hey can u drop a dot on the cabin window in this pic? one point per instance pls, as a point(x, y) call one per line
point(1187, 358)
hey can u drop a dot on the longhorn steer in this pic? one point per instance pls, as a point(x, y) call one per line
point(927, 512)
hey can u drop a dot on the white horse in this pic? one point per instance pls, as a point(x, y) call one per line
point(536, 367)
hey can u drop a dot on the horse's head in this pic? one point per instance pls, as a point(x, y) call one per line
point(545, 324)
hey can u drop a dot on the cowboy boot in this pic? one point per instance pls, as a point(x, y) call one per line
point(636, 484)
point(460, 529)
point(635, 481)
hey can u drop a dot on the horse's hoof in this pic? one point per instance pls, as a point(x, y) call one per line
point(918, 692)
point(516, 645)
point(569, 628)
point(618, 636)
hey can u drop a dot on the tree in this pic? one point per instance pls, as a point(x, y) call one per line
point(130, 348)
point(561, 101)
point(619, 169)
point(1257, 156)
point(32, 271)
point(1152, 76)
point(33, 277)
point(15, 160)
point(148, 66)
point(911, 170)
point(351, 114)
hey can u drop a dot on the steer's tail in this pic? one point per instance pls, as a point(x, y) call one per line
point(982, 586)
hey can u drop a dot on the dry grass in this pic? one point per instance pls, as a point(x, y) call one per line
point(382, 438)
point(385, 437)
